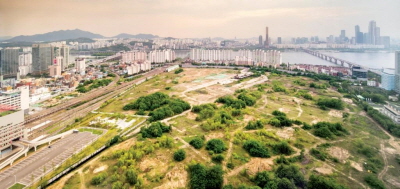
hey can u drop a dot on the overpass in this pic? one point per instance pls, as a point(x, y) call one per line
point(333, 59)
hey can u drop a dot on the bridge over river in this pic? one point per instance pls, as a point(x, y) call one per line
point(333, 59)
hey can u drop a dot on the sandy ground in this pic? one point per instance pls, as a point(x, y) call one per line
point(335, 113)
point(100, 169)
point(285, 133)
point(356, 166)
point(339, 153)
point(176, 178)
point(325, 170)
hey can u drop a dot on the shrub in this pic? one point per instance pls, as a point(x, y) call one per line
point(318, 182)
point(254, 125)
point(216, 145)
point(262, 178)
point(256, 149)
point(330, 103)
point(218, 158)
point(278, 113)
point(374, 182)
point(98, 179)
point(131, 176)
point(154, 130)
point(201, 177)
point(197, 142)
point(282, 148)
point(179, 155)
point(291, 172)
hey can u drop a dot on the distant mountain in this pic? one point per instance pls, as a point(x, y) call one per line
point(138, 36)
point(56, 36)
point(5, 38)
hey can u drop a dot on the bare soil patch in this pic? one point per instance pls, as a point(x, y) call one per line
point(214, 135)
point(339, 153)
point(356, 166)
point(153, 166)
point(100, 169)
point(335, 113)
point(325, 170)
point(176, 178)
point(258, 164)
point(285, 133)
point(390, 150)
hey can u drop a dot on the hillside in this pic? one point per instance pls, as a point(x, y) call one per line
point(275, 131)
point(55, 36)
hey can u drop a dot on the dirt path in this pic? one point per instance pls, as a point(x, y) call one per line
point(385, 169)
point(298, 101)
point(391, 141)
point(187, 145)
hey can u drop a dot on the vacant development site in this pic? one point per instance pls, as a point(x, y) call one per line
point(268, 130)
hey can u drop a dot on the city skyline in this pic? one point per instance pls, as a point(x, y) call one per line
point(227, 19)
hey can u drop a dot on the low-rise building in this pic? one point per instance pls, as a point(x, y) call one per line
point(392, 112)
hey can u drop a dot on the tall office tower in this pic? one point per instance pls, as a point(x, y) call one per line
point(372, 32)
point(42, 57)
point(358, 35)
point(260, 41)
point(366, 38)
point(316, 39)
point(377, 36)
point(266, 37)
point(64, 52)
point(397, 71)
point(279, 40)
point(9, 61)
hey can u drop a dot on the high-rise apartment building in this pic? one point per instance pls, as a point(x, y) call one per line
point(9, 61)
point(260, 41)
point(266, 37)
point(64, 52)
point(359, 36)
point(397, 71)
point(279, 40)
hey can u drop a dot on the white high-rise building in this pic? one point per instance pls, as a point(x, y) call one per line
point(161, 56)
point(80, 65)
point(397, 71)
point(131, 56)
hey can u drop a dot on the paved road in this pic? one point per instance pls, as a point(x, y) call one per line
point(33, 166)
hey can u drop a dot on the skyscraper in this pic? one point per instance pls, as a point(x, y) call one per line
point(397, 71)
point(358, 35)
point(377, 36)
point(64, 52)
point(279, 40)
point(42, 57)
point(9, 61)
point(260, 41)
point(372, 32)
point(266, 37)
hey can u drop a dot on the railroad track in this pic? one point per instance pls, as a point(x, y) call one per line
point(63, 119)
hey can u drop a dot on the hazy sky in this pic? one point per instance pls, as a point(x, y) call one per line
point(200, 18)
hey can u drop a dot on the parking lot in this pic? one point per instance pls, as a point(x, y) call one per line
point(45, 160)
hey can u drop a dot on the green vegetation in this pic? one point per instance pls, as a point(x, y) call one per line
point(178, 71)
point(155, 130)
point(204, 111)
point(255, 149)
point(325, 103)
point(179, 155)
point(318, 86)
point(115, 48)
point(94, 131)
point(72, 181)
point(202, 177)
point(217, 158)
point(99, 178)
point(103, 54)
point(131, 176)
point(197, 142)
point(251, 125)
point(282, 148)
point(280, 119)
point(382, 119)
point(216, 146)
point(159, 104)
point(318, 182)
point(374, 182)
point(329, 130)
point(17, 186)
point(93, 85)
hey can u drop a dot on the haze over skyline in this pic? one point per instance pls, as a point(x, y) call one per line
point(199, 18)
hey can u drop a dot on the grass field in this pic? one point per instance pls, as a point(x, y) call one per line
point(349, 156)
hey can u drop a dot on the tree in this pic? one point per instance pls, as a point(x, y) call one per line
point(255, 149)
point(262, 178)
point(374, 182)
point(291, 172)
point(197, 142)
point(131, 176)
point(318, 182)
point(216, 145)
point(179, 155)
point(283, 148)
point(218, 158)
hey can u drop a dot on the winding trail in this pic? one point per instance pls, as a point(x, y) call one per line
point(385, 169)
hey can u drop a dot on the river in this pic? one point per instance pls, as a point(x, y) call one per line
point(376, 60)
